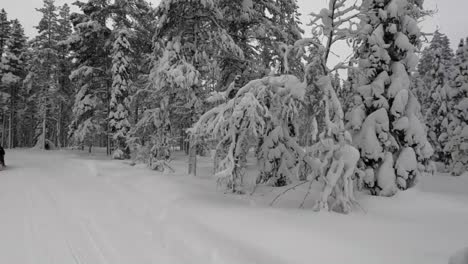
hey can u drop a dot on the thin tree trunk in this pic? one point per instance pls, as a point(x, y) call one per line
point(192, 169)
point(4, 128)
point(108, 132)
point(44, 127)
point(10, 130)
point(10, 121)
point(59, 127)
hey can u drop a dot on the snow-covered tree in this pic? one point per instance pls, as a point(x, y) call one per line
point(120, 100)
point(433, 70)
point(44, 77)
point(326, 158)
point(457, 112)
point(64, 102)
point(97, 32)
point(49, 65)
point(438, 47)
point(4, 35)
point(4, 30)
point(332, 158)
point(92, 74)
point(12, 69)
point(265, 108)
point(258, 28)
point(387, 123)
point(185, 61)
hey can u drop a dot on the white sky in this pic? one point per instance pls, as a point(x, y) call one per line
point(452, 18)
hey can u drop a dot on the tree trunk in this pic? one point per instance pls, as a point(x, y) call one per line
point(10, 130)
point(59, 127)
point(12, 113)
point(4, 128)
point(192, 168)
point(44, 127)
point(108, 132)
point(182, 141)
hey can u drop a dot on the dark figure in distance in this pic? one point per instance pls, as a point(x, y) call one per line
point(2, 156)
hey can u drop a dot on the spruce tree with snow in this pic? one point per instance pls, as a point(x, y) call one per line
point(284, 29)
point(185, 58)
point(259, 28)
point(48, 71)
point(457, 112)
point(92, 73)
point(438, 47)
point(120, 100)
point(44, 78)
point(64, 96)
point(434, 69)
point(4, 35)
point(96, 30)
point(387, 123)
point(4, 30)
point(12, 69)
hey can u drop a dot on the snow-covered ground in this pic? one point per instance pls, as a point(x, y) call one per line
point(63, 207)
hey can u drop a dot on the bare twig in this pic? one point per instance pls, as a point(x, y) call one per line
point(307, 194)
point(287, 190)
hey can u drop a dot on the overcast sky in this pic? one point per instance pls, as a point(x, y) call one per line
point(452, 16)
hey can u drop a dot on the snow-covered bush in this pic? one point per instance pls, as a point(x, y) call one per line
point(264, 108)
point(387, 124)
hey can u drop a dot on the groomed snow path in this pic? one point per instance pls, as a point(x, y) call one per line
point(59, 208)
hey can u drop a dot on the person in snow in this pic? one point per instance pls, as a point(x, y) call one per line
point(2, 156)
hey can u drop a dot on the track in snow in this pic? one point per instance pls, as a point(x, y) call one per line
point(54, 209)
point(59, 208)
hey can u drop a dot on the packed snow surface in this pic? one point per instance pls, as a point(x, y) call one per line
point(63, 207)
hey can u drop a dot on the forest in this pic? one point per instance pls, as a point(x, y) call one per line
point(229, 79)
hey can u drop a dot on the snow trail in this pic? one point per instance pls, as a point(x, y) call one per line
point(69, 214)
point(57, 207)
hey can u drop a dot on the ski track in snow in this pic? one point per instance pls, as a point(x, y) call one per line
point(69, 216)
point(58, 208)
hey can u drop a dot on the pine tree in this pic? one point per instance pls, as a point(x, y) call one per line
point(92, 72)
point(439, 47)
point(4, 30)
point(45, 76)
point(457, 112)
point(94, 42)
point(186, 52)
point(65, 88)
point(12, 68)
point(433, 70)
point(283, 28)
point(120, 101)
point(4, 35)
point(387, 123)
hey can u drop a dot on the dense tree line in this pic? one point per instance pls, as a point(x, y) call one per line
point(235, 75)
